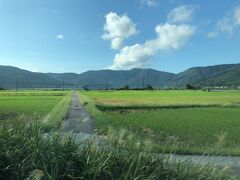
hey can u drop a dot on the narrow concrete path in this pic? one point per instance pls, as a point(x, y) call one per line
point(232, 162)
point(78, 120)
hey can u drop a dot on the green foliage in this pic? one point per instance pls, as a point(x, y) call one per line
point(85, 88)
point(56, 116)
point(148, 87)
point(125, 87)
point(187, 122)
point(29, 103)
point(190, 87)
point(50, 106)
point(163, 98)
point(187, 131)
point(27, 153)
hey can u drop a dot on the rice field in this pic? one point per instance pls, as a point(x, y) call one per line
point(31, 104)
point(187, 122)
point(163, 97)
point(30, 151)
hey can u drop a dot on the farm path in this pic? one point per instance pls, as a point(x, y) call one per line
point(231, 162)
point(78, 120)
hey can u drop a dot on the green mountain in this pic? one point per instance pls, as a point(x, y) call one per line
point(10, 77)
point(71, 78)
point(227, 77)
point(103, 79)
point(219, 75)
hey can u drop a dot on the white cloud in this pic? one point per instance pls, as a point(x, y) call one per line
point(226, 25)
point(149, 3)
point(60, 36)
point(237, 15)
point(169, 36)
point(183, 13)
point(213, 34)
point(117, 29)
point(230, 21)
point(34, 70)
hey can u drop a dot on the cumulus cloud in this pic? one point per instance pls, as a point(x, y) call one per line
point(181, 14)
point(149, 3)
point(60, 36)
point(230, 21)
point(117, 29)
point(169, 36)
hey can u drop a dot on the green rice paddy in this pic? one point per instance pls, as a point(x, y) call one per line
point(189, 122)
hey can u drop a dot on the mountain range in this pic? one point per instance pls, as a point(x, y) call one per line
point(218, 75)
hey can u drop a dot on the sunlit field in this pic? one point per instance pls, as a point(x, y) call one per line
point(137, 98)
point(30, 104)
point(33, 148)
point(189, 122)
point(119, 90)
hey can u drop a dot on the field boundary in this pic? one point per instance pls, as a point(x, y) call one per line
point(57, 114)
point(103, 107)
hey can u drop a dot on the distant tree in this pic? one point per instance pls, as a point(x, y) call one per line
point(86, 88)
point(125, 87)
point(143, 81)
point(190, 87)
point(148, 87)
point(1, 89)
point(206, 90)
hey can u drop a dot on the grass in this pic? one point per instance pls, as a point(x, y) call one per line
point(195, 131)
point(57, 115)
point(185, 127)
point(26, 153)
point(28, 103)
point(163, 98)
point(50, 106)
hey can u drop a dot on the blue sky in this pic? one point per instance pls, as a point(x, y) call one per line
point(81, 35)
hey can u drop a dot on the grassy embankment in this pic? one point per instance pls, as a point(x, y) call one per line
point(186, 122)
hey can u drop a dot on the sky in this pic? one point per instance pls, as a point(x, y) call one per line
point(80, 35)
